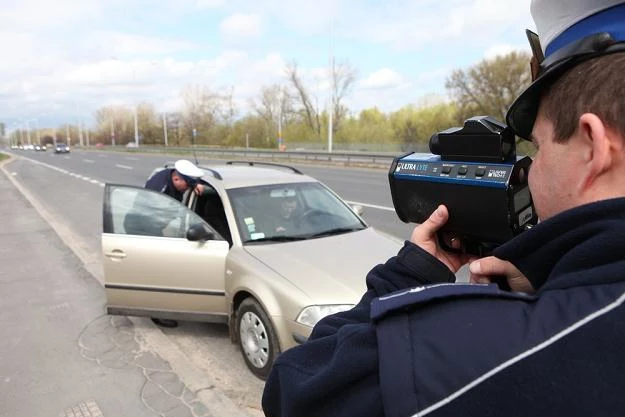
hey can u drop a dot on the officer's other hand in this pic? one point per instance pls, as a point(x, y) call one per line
point(486, 270)
point(424, 236)
point(199, 189)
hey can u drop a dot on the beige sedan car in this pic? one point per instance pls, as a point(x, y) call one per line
point(269, 251)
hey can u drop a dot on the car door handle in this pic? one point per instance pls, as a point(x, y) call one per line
point(116, 254)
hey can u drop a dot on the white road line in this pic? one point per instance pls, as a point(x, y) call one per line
point(89, 161)
point(132, 158)
point(123, 166)
point(371, 205)
point(72, 174)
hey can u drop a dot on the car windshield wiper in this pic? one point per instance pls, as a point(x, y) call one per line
point(277, 239)
point(336, 231)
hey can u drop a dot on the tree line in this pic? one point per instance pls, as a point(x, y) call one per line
point(291, 113)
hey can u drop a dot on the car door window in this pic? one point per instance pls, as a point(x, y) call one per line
point(138, 211)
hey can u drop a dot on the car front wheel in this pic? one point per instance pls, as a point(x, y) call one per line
point(257, 338)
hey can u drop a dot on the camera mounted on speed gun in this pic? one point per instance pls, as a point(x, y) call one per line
point(475, 172)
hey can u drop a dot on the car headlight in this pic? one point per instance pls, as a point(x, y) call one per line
point(310, 315)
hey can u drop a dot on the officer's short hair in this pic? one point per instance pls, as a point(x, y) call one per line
point(594, 86)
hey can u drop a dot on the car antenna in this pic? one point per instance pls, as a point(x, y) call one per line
point(193, 143)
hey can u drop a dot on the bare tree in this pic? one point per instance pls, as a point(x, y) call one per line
point(343, 78)
point(310, 109)
point(202, 108)
point(490, 86)
point(275, 107)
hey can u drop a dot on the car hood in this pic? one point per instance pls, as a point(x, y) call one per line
point(330, 270)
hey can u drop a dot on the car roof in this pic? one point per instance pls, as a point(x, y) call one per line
point(248, 174)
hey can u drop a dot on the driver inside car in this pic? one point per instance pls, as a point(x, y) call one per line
point(288, 220)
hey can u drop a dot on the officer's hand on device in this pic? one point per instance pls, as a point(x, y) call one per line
point(487, 270)
point(424, 236)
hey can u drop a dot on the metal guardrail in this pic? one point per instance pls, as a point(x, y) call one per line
point(344, 158)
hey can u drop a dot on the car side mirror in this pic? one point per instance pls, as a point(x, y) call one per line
point(200, 232)
point(358, 209)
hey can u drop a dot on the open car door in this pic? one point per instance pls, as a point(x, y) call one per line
point(160, 259)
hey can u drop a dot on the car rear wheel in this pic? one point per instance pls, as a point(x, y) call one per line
point(257, 338)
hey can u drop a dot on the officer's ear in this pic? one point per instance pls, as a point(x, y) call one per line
point(601, 147)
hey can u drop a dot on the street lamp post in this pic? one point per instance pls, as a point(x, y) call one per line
point(28, 132)
point(38, 134)
point(165, 127)
point(136, 127)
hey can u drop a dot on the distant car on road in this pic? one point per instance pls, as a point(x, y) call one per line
point(61, 148)
point(99, 145)
point(268, 250)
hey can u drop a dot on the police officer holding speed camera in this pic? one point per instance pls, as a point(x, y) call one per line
point(554, 345)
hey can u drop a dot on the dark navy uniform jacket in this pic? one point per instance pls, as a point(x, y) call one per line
point(161, 182)
point(418, 345)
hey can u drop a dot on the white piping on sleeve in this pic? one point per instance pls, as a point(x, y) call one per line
point(619, 301)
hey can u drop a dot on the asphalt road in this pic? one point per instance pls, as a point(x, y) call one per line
point(70, 187)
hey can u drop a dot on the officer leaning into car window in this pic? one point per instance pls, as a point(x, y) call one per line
point(175, 181)
point(418, 345)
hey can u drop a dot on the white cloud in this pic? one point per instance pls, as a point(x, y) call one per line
point(125, 44)
point(241, 25)
point(414, 25)
point(383, 78)
point(501, 49)
point(209, 4)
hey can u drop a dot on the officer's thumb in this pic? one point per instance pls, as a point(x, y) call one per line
point(427, 230)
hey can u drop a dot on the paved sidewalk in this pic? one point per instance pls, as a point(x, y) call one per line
point(61, 355)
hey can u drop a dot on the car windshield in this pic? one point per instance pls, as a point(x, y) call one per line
point(290, 212)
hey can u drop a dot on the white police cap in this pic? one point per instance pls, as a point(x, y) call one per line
point(569, 32)
point(188, 169)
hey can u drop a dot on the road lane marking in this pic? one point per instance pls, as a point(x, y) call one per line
point(89, 161)
point(123, 166)
point(62, 171)
point(371, 205)
point(132, 158)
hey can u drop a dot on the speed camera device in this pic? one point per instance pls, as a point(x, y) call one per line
point(475, 172)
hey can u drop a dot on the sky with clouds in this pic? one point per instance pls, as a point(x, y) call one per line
point(64, 59)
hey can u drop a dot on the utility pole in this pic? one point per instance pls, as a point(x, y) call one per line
point(38, 134)
point(332, 88)
point(136, 129)
point(280, 103)
point(165, 127)
point(28, 132)
point(112, 132)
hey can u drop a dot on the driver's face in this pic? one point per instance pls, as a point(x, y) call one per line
point(288, 208)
